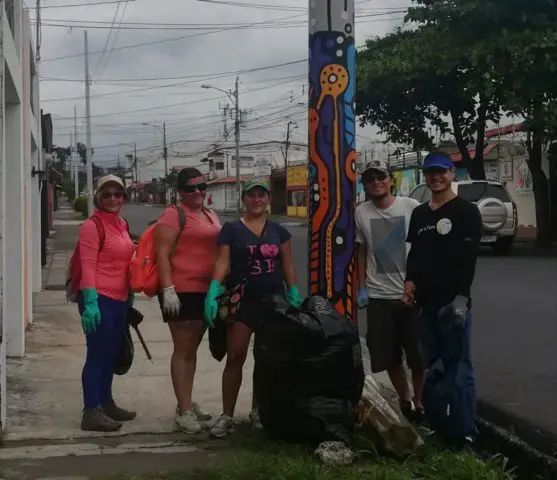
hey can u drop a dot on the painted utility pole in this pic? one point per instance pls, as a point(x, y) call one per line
point(332, 153)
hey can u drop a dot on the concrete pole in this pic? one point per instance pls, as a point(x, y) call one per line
point(89, 148)
point(237, 142)
point(76, 157)
point(332, 153)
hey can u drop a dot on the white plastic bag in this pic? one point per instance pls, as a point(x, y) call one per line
point(381, 413)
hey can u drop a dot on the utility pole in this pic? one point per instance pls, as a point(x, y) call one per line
point(136, 171)
point(287, 145)
point(165, 156)
point(38, 32)
point(332, 155)
point(76, 154)
point(88, 148)
point(237, 139)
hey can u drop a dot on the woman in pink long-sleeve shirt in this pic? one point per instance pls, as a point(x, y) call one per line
point(105, 251)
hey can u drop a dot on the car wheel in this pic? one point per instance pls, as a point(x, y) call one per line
point(503, 246)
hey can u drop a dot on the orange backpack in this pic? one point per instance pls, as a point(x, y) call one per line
point(143, 267)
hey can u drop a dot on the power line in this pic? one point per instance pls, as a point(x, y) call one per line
point(198, 76)
point(173, 39)
point(92, 4)
point(122, 93)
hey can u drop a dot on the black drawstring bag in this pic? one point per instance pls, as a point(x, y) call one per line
point(124, 359)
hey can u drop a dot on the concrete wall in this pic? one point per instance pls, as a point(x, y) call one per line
point(21, 205)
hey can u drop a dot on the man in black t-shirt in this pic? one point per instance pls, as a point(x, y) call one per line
point(445, 235)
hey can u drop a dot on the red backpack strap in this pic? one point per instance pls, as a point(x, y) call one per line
point(181, 218)
point(100, 230)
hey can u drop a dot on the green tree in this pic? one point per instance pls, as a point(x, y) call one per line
point(411, 82)
point(464, 64)
point(515, 42)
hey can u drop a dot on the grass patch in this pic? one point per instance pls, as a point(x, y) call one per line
point(260, 459)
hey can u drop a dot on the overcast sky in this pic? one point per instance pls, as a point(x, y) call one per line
point(134, 90)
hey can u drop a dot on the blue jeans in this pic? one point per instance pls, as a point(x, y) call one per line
point(102, 348)
point(450, 389)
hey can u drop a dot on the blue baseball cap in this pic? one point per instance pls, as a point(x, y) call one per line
point(438, 160)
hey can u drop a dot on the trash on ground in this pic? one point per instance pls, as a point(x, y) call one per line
point(383, 416)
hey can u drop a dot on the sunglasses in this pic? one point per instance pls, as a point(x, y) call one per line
point(200, 187)
point(107, 195)
point(376, 176)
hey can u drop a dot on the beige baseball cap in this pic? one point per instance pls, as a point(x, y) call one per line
point(110, 179)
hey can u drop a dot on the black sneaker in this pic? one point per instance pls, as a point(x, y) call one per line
point(418, 416)
point(407, 409)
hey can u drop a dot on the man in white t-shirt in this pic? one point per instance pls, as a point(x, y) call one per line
point(392, 326)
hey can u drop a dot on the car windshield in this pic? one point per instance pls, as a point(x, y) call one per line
point(474, 192)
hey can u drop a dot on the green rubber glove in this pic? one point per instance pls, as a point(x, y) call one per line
point(293, 296)
point(211, 303)
point(91, 316)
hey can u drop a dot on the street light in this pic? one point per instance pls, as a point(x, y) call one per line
point(235, 97)
point(164, 155)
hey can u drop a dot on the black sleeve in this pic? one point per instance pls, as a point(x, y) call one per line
point(470, 242)
point(413, 257)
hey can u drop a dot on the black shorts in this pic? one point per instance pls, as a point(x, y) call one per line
point(192, 308)
point(392, 329)
point(249, 313)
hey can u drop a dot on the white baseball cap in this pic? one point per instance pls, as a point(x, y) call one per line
point(110, 179)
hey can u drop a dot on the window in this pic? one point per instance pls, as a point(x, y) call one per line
point(474, 192)
point(219, 165)
point(418, 193)
point(297, 198)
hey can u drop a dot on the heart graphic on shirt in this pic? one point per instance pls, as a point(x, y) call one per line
point(269, 251)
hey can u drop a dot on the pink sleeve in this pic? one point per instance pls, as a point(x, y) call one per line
point(169, 218)
point(88, 252)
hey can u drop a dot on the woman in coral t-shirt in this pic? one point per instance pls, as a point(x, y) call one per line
point(104, 301)
point(186, 260)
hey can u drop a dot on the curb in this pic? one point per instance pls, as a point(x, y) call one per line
point(531, 451)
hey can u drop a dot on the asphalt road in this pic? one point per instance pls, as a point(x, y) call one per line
point(515, 327)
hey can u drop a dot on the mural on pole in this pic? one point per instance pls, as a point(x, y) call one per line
point(332, 153)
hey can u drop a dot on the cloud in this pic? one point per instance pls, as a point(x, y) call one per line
point(120, 109)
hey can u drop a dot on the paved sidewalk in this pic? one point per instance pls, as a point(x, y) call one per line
point(44, 388)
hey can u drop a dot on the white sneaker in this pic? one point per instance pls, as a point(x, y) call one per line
point(222, 427)
point(187, 422)
point(255, 420)
point(202, 415)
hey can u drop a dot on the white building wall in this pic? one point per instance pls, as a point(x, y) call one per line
point(21, 241)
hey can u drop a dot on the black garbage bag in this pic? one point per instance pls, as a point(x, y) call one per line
point(218, 344)
point(308, 371)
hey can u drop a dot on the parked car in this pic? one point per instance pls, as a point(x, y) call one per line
point(498, 211)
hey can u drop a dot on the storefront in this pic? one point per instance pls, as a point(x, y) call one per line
point(297, 187)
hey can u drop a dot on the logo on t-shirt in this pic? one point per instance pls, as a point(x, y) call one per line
point(266, 261)
point(444, 226)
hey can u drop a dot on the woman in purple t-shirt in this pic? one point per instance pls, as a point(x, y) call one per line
point(256, 251)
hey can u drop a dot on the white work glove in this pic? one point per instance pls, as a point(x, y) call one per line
point(170, 301)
